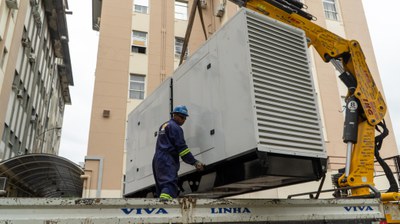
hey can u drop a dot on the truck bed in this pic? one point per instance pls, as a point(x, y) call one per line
point(188, 210)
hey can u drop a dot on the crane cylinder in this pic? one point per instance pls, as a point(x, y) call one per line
point(350, 130)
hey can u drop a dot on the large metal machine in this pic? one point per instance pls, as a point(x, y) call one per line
point(254, 116)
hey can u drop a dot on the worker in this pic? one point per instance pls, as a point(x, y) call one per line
point(170, 146)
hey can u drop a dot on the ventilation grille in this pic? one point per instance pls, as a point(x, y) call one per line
point(287, 116)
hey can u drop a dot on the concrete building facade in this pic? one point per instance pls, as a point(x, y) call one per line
point(140, 45)
point(35, 75)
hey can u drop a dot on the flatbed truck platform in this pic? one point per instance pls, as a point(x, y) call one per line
point(189, 210)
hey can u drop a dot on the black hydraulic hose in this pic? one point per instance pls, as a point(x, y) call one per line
point(378, 145)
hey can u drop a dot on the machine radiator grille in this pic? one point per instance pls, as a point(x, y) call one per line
point(285, 102)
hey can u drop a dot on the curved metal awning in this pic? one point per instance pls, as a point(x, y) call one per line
point(43, 175)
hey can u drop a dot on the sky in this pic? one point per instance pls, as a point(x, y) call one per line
point(384, 28)
point(383, 24)
point(83, 43)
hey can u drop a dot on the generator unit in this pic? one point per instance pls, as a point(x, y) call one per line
point(253, 113)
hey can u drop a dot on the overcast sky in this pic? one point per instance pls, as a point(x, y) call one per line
point(383, 25)
point(83, 42)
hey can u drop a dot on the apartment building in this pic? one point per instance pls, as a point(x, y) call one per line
point(140, 45)
point(35, 76)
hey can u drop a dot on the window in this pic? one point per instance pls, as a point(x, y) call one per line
point(330, 9)
point(181, 10)
point(141, 6)
point(136, 86)
point(139, 42)
point(179, 47)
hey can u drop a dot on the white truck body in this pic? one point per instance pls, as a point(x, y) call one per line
point(187, 210)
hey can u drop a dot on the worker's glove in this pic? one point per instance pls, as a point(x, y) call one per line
point(199, 165)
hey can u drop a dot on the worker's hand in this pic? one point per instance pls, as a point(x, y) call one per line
point(199, 165)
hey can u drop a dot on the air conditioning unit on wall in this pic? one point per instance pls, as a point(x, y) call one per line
point(203, 4)
point(20, 94)
point(12, 4)
point(220, 10)
point(33, 118)
point(32, 58)
point(36, 14)
point(25, 42)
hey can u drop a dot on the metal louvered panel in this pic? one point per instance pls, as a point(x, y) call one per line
point(286, 110)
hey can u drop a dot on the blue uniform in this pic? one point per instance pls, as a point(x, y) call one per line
point(170, 146)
